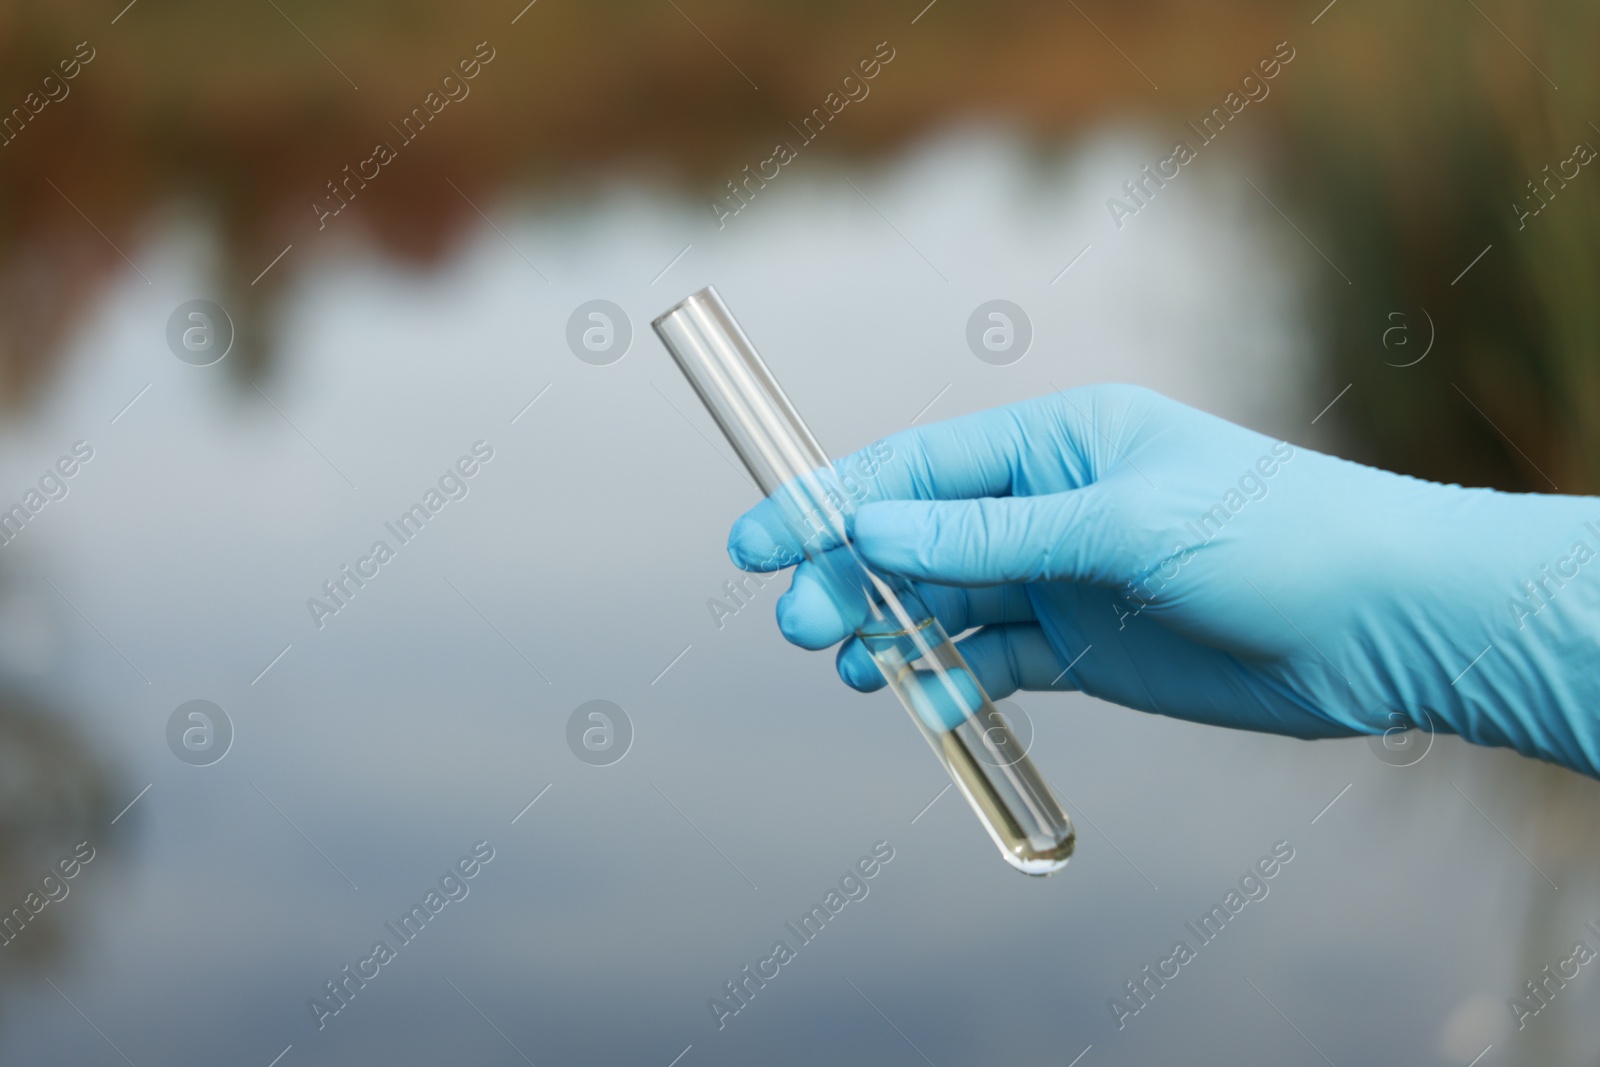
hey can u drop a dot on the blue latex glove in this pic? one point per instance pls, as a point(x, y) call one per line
point(1110, 540)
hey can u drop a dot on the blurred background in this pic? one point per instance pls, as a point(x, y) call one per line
point(1384, 253)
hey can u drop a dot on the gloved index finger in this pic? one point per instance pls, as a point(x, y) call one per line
point(807, 516)
point(1025, 448)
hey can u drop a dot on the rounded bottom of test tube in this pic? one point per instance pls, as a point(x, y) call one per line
point(1041, 864)
point(1031, 831)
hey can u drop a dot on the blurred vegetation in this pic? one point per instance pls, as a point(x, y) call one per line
point(229, 108)
point(1415, 153)
point(1405, 134)
point(54, 793)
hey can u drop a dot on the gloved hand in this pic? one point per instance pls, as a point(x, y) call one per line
point(1110, 540)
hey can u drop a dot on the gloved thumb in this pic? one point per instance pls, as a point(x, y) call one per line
point(1068, 536)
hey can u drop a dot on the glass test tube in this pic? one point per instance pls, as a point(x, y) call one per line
point(812, 501)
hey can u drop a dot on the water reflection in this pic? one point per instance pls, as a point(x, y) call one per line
point(54, 798)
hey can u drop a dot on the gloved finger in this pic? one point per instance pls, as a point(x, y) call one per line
point(856, 667)
point(825, 601)
point(960, 610)
point(759, 541)
point(1073, 536)
point(1043, 445)
point(1013, 656)
point(1048, 444)
point(1004, 658)
point(823, 605)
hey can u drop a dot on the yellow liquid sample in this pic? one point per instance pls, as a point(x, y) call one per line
point(976, 746)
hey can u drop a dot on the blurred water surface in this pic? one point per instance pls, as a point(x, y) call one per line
point(426, 714)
